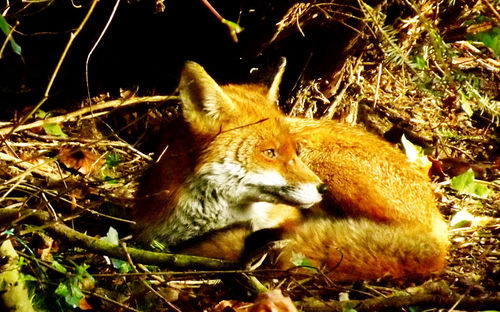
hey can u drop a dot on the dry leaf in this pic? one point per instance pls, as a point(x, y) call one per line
point(273, 301)
point(84, 161)
point(83, 304)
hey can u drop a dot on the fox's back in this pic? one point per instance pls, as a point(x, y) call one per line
point(366, 176)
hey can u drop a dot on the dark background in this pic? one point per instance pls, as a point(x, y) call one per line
point(144, 49)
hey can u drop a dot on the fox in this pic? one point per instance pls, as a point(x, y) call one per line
point(234, 165)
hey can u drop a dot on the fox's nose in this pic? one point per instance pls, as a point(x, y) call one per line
point(322, 188)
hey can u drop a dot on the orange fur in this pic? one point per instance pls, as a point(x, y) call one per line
point(228, 161)
point(386, 221)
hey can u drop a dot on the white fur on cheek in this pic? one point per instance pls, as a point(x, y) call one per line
point(223, 193)
point(267, 177)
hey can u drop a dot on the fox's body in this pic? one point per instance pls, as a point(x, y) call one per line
point(222, 166)
point(233, 160)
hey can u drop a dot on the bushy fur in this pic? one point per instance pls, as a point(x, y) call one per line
point(379, 217)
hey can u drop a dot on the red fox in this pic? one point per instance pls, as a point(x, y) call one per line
point(235, 159)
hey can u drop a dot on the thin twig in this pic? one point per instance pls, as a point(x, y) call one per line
point(131, 263)
point(492, 8)
point(126, 307)
point(212, 9)
point(378, 85)
point(96, 44)
point(54, 74)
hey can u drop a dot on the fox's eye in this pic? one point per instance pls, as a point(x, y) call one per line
point(298, 149)
point(270, 153)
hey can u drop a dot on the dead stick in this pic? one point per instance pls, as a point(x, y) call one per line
point(78, 113)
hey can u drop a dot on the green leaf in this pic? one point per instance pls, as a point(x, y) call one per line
point(461, 219)
point(481, 190)
point(111, 237)
point(62, 290)
point(22, 262)
point(121, 265)
point(56, 265)
point(298, 259)
point(82, 274)
point(466, 107)
point(5, 27)
point(29, 278)
point(490, 38)
point(55, 130)
point(415, 153)
point(112, 159)
point(419, 62)
point(234, 29)
point(72, 294)
point(42, 114)
point(462, 181)
point(465, 103)
point(110, 180)
point(348, 308)
point(465, 184)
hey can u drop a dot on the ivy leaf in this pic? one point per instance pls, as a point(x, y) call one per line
point(56, 265)
point(71, 293)
point(465, 183)
point(55, 130)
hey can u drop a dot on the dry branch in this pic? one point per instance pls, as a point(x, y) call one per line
point(87, 110)
point(397, 302)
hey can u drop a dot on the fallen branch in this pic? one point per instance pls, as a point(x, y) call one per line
point(397, 302)
point(71, 236)
point(86, 110)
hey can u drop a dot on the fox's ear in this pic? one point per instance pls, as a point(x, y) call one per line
point(273, 92)
point(204, 104)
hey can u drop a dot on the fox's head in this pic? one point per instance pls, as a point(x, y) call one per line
point(248, 153)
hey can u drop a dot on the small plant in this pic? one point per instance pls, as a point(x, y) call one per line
point(490, 38)
point(465, 183)
point(71, 288)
